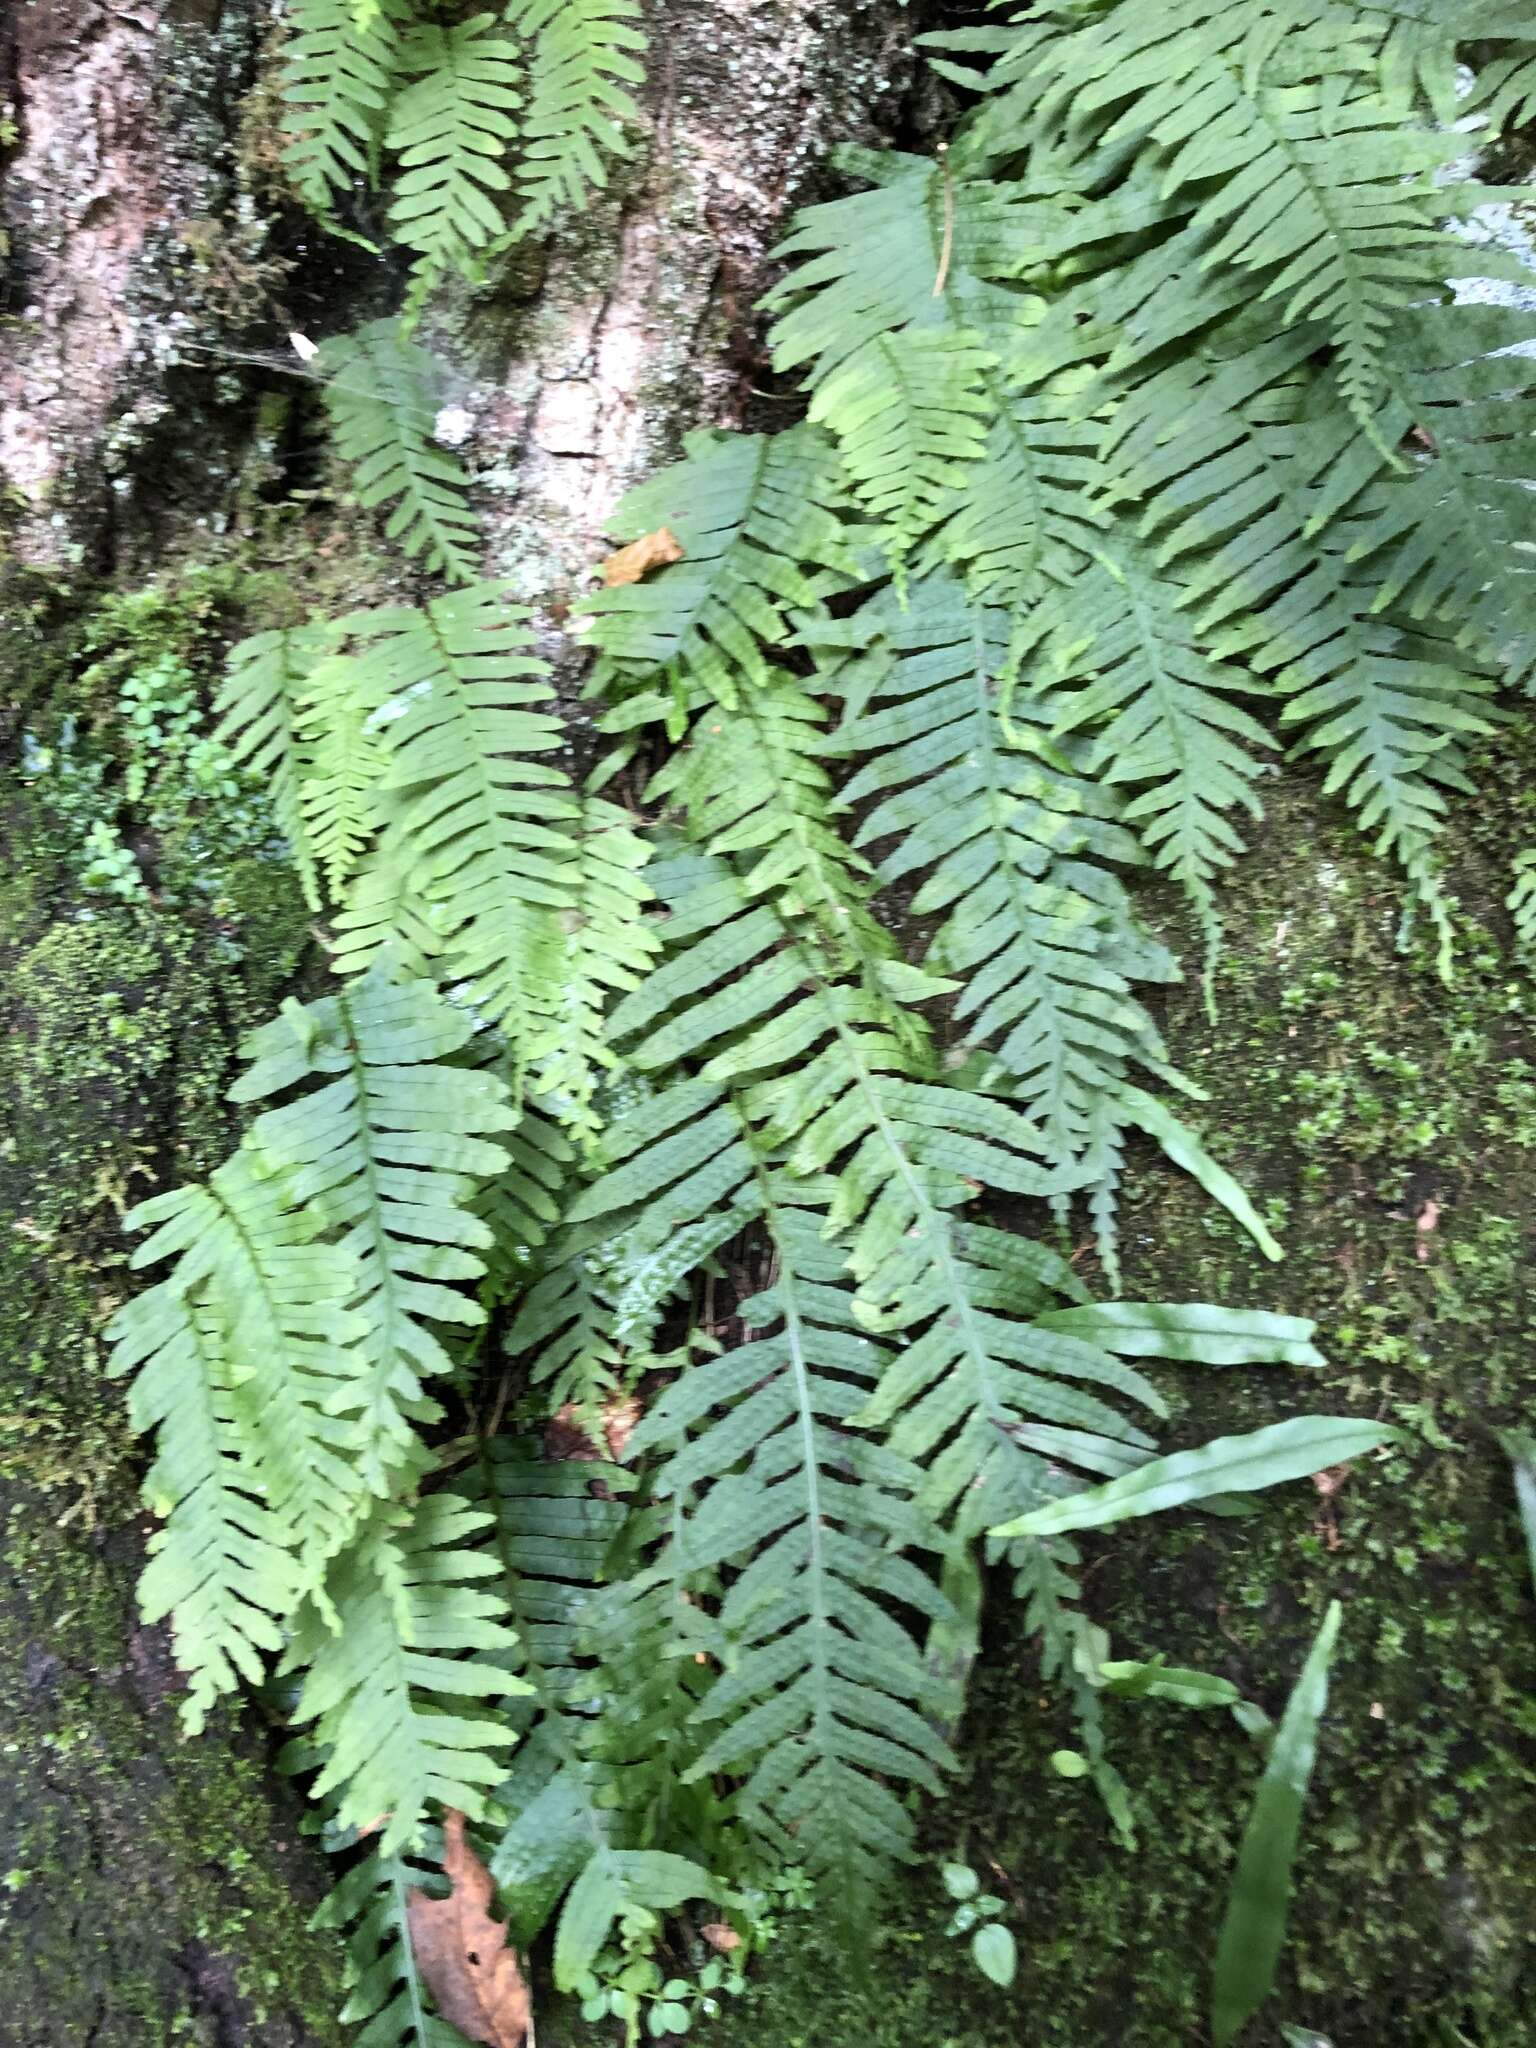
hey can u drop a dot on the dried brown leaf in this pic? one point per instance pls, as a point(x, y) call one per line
point(463, 1954)
point(650, 551)
point(620, 1416)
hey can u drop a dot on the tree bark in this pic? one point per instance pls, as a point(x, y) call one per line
point(156, 1890)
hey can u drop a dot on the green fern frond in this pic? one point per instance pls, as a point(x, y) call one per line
point(392, 1148)
point(759, 520)
point(337, 76)
point(911, 413)
point(405, 1634)
point(1017, 849)
point(1159, 708)
point(344, 762)
point(479, 848)
point(449, 128)
point(820, 1705)
point(248, 1342)
point(386, 1995)
point(222, 1566)
point(584, 57)
point(259, 709)
point(1255, 502)
point(1456, 538)
point(573, 1838)
point(609, 947)
point(1268, 131)
point(381, 392)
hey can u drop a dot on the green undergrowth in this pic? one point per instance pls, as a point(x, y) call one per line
point(1389, 1125)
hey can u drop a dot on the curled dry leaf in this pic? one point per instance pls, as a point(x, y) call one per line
point(619, 1418)
point(463, 1954)
point(650, 551)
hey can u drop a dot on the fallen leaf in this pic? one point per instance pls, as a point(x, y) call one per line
point(721, 1936)
point(650, 551)
point(1429, 1217)
point(619, 1418)
point(462, 1952)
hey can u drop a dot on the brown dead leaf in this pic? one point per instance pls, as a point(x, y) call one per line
point(721, 1936)
point(567, 1439)
point(1428, 1222)
point(619, 1418)
point(463, 1953)
point(650, 551)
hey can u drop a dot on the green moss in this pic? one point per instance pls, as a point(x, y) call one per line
point(154, 1890)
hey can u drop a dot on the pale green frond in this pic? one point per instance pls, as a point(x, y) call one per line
point(910, 412)
point(221, 1567)
point(254, 1255)
point(400, 1689)
point(609, 944)
point(345, 761)
point(392, 1147)
point(479, 848)
point(585, 56)
point(382, 394)
point(259, 711)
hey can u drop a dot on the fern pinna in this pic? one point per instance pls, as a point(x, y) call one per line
point(591, 1379)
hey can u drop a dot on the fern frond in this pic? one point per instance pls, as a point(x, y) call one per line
point(344, 762)
point(221, 1567)
point(759, 520)
point(1159, 708)
point(380, 390)
point(479, 847)
point(259, 709)
point(585, 56)
point(822, 1698)
point(1456, 538)
point(1017, 849)
point(1270, 133)
point(911, 413)
point(386, 1995)
point(248, 1342)
point(337, 76)
point(412, 1635)
point(573, 1839)
point(449, 128)
point(609, 946)
point(392, 1147)
point(1256, 501)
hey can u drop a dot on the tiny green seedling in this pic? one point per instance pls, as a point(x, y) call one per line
point(993, 1949)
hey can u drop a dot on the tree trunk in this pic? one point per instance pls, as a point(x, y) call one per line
point(149, 423)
